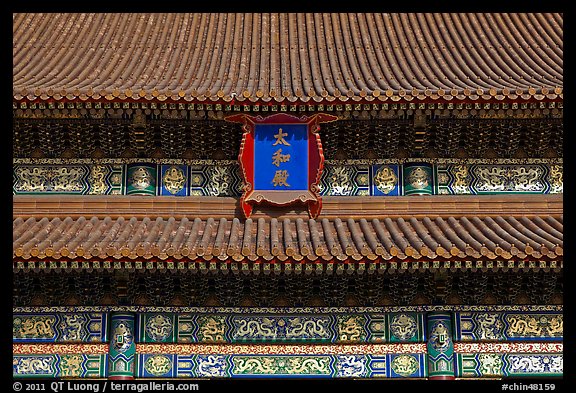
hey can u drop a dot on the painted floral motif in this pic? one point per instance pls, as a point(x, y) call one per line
point(158, 365)
point(159, 327)
point(403, 326)
point(286, 349)
point(404, 365)
point(185, 328)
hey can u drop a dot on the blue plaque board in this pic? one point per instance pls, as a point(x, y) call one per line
point(281, 157)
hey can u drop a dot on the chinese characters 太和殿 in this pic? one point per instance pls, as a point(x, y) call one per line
point(281, 176)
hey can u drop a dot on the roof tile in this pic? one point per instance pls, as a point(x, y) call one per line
point(499, 237)
point(335, 56)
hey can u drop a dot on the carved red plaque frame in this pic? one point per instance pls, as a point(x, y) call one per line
point(310, 197)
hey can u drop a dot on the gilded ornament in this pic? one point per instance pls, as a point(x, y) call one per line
point(219, 181)
point(34, 327)
point(211, 365)
point(97, 179)
point(509, 178)
point(158, 365)
point(115, 179)
point(174, 179)
point(443, 178)
point(440, 338)
point(418, 178)
point(555, 178)
point(33, 365)
point(385, 179)
point(49, 178)
point(341, 180)
point(159, 327)
point(72, 326)
point(211, 328)
point(122, 336)
point(534, 325)
point(141, 178)
point(70, 365)
point(403, 326)
point(350, 328)
point(490, 364)
point(404, 365)
point(489, 326)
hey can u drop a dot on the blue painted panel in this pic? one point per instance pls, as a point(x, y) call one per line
point(281, 157)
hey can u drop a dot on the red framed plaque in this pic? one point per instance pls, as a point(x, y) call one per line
point(281, 160)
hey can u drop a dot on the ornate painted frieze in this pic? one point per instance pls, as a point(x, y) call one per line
point(68, 179)
point(185, 311)
point(284, 365)
point(53, 366)
point(156, 327)
point(347, 178)
point(254, 327)
point(493, 326)
point(281, 328)
point(60, 327)
point(216, 180)
point(508, 365)
point(499, 178)
point(51, 179)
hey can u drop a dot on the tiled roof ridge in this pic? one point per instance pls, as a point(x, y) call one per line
point(353, 239)
point(288, 57)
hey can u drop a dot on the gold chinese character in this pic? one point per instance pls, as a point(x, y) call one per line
point(278, 157)
point(280, 138)
point(280, 178)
